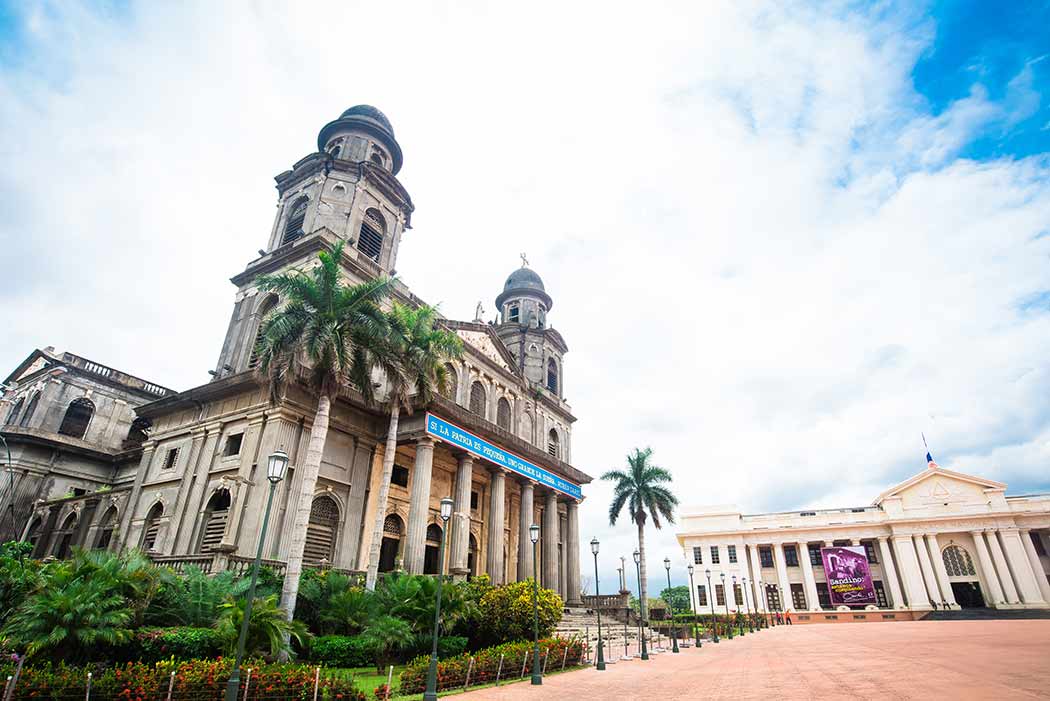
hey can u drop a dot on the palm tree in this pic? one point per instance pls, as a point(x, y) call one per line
point(269, 630)
point(420, 352)
point(640, 488)
point(336, 333)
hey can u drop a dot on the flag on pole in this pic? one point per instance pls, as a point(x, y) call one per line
point(929, 458)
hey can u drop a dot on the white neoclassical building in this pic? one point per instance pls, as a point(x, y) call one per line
point(941, 537)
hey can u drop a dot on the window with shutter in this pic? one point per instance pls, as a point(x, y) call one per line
point(293, 227)
point(215, 515)
point(370, 239)
point(321, 530)
point(151, 528)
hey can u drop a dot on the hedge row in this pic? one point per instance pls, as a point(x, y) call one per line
point(355, 650)
point(452, 672)
point(197, 679)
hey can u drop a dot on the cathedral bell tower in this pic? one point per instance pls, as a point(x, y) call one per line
point(538, 349)
point(345, 191)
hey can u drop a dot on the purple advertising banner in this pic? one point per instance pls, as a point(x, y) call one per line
point(849, 577)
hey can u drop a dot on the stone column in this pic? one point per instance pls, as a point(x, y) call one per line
point(756, 574)
point(786, 601)
point(938, 567)
point(526, 514)
point(497, 515)
point(812, 600)
point(1009, 589)
point(136, 489)
point(890, 572)
point(550, 541)
point(1017, 559)
point(572, 546)
point(910, 574)
point(419, 506)
point(926, 567)
point(461, 517)
point(995, 591)
point(1037, 566)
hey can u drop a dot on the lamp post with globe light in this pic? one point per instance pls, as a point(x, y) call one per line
point(641, 622)
point(750, 625)
point(537, 675)
point(674, 634)
point(276, 465)
point(694, 602)
point(431, 692)
point(600, 666)
point(725, 598)
point(737, 604)
point(711, 599)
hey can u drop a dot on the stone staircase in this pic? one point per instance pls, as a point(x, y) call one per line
point(583, 623)
point(987, 614)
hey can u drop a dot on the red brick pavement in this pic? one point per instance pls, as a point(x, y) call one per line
point(902, 660)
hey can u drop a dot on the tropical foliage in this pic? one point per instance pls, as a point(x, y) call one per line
point(507, 612)
point(641, 489)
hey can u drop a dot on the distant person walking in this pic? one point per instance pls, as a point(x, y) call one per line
point(787, 617)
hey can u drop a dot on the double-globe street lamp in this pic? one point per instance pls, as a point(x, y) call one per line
point(674, 634)
point(641, 621)
point(711, 598)
point(276, 466)
point(600, 666)
point(431, 693)
point(725, 599)
point(537, 674)
point(693, 602)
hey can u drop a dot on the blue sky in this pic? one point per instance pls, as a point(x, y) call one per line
point(782, 241)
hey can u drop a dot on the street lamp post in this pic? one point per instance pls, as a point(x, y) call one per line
point(641, 621)
point(711, 598)
point(750, 626)
point(537, 675)
point(600, 666)
point(276, 466)
point(725, 598)
point(780, 604)
point(765, 597)
point(693, 602)
point(431, 693)
point(674, 633)
point(623, 588)
point(735, 603)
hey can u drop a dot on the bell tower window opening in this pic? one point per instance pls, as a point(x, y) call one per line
point(293, 227)
point(335, 148)
point(370, 240)
point(514, 313)
point(378, 158)
point(553, 443)
point(552, 375)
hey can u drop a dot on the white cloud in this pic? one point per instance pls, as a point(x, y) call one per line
point(764, 254)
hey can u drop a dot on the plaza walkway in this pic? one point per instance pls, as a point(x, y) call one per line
point(906, 660)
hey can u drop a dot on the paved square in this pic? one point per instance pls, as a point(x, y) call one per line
point(905, 660)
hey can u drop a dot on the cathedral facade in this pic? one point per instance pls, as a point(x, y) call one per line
point(102, 459)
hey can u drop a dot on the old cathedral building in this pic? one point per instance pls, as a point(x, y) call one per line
point(103, 459)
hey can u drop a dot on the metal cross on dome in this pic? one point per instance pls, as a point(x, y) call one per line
point(524, 261)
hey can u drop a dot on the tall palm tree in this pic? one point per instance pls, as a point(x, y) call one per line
point(336, 334)
point(640, 488)
point(420, 351)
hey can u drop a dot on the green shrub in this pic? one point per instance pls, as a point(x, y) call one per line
point(506, 612)
point(197, 679)
point(342, 651)
point(452, 672)
point(154, 645)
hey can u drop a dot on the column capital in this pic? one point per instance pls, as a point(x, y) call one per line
point(1024, 531)
point(426, 441)
point(1009, 529)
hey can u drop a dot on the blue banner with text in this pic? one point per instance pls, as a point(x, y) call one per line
point(455, 435)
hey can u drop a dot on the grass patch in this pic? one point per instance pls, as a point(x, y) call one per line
point(366, 679)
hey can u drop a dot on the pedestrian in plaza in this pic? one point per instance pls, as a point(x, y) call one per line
point(787, 617)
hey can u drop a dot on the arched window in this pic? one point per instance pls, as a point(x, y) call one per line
point(335, 148)
point(377, 158)
point(30, 409)
point(33, 532)
point(77, 417)
point(215, 515)
point(107, 526)
point(138, 432)
point(553, 443)
point(957, 562)
point(472, 556)
point(503, 413)
point(12, 416)
point(320, 533)
point(293, 226)
point(267, 306)
point(451, 383)
point(151, 527)
point(431, 565)
point(370, 240)
point(392, 528)
point(478, 401)
point(552, 375)
point(64, 537)
point(525, 427)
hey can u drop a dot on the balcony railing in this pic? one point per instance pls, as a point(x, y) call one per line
point(213, 563)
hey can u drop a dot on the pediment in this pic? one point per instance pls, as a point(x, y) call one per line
point(34, 363)
point(483, 343)
point(940, 487)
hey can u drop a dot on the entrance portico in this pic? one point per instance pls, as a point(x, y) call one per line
point(940, 539)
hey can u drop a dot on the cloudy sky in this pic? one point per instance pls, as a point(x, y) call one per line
point(781, 240)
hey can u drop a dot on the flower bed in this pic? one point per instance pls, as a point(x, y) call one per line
point(196, 679)
point(452, 673)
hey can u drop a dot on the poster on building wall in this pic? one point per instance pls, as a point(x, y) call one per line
point(849, 576)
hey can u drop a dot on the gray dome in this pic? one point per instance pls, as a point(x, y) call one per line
point(369, 112)
point(524, 281)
